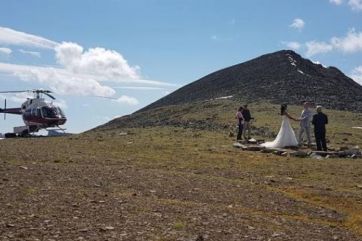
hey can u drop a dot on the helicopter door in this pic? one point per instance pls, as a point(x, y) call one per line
point(38, 112)
point(33, 112)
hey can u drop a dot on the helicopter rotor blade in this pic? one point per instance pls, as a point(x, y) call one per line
point(35, 91)
point(14, 91)
point(47, 93)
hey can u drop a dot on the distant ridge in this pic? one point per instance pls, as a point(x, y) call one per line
point(280, 77)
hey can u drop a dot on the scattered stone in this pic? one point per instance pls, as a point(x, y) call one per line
point(123, 133)
point(316, 156)
point(252, 141)
point(267, 150)
point(199, 238)
point(24, 167)
point(107, 228)
point(239, 145)
point(254, 148)
point(278, 152)
point(301, 154)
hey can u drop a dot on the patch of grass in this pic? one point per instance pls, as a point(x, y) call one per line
point(179, 225)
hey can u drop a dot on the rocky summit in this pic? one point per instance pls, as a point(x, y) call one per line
point(280, 77)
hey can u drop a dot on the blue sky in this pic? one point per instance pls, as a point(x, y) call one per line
point(140, 50)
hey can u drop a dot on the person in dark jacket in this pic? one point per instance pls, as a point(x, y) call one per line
point(247, 118)
point(240, 122)
point(319, 121)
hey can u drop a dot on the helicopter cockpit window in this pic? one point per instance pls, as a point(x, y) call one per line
point(49, 112)
point(60, 112)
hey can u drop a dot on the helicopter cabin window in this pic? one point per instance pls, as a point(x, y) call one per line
point(33, 112)
point(49, 112)
point(38, 112)
point(60, 112)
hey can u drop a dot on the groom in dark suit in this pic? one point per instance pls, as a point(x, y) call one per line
point(319, 121)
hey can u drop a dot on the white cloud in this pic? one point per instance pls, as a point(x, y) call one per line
point(109, 64)
point(80, 71)
point(314, 47)
point(336, 2)
point(355, 4)
point(351, 43)
point(298, 23)
point(18, 98)
point(292, 45)
point(32, 53)
point(124, 99)
point(59, 80)
point(13, 37)
point(214, 37)
point(357, 74)
point(5, 51)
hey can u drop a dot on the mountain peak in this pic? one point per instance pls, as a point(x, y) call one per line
point(280, 77)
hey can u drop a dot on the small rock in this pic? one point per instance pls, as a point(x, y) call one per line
point(254, 148)
point(107, 228)
point(252, 141)
point(299, 154)
point(24, 167)
point(199, 238)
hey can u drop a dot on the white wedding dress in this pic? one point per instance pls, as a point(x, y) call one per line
point(285, 137)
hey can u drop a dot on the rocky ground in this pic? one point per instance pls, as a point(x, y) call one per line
point(172, 183)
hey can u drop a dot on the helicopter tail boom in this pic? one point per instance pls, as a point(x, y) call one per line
point(15, 111)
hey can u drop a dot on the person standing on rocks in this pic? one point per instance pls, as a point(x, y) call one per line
point(247, 119)
point(240, 119)
point(305, 119)
point(319, 121)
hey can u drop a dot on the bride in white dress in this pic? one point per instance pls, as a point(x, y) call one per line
point(286, 136)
